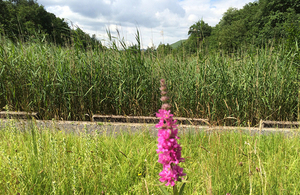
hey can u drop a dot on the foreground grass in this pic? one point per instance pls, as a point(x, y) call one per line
point(45, 161)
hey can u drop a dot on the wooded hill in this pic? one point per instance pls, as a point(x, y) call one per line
point(257, 23)
point(26, 20)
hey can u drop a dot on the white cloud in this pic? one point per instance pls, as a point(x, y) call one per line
point(193, 18)
point(172, 17)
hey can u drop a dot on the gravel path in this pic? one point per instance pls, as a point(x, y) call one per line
point(102, 128)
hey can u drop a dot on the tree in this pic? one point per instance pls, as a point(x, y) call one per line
point(232, 29)
point(26, 19)
point(197, 33)
point(200, 30)
point(163, 50)
point(256, 22)
point(4, 16)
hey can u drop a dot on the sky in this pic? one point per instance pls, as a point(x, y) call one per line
point(158, 21)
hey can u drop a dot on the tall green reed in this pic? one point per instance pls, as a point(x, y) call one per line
point(69, 82)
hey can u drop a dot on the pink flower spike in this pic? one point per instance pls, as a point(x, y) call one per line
point(162, 88)
point(163, 92)
point(165, 106)
point(169, 151)
point(164, 98)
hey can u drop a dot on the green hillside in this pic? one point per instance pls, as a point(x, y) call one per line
point(177, 44)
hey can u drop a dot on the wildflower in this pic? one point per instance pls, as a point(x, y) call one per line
point(163, 88)
point(163, 92)
point(164, 98)
point(165, 106)
point(169, 151)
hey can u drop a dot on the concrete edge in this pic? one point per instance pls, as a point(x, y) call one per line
point(137, 120)
point(147, 125)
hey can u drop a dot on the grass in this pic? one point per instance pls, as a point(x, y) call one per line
point(49, 161)
point(68, 83)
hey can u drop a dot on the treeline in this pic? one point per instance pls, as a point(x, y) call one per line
point(257, 23)
point(26, 20)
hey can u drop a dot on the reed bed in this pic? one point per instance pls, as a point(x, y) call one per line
point(70, 83)
point(48, 161)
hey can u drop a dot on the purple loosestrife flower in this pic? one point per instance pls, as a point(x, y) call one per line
point(169, 151)
point(164, 98)
point(165, 106)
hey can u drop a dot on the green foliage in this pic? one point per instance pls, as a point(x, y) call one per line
point(27, 20)
point(163, 50)
point(219, 72)
point(231, 30)
point(83, 41)
point(58, 82)
point(198, 32)
point(4, 16)
point(177, 44)
point(256, 23)
point(218, 162)
point(292, 28)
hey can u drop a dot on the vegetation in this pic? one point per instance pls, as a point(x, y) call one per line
point(68, 82)
point(241, 71)
point(177, 44)
point(22, 20)
point(48, 161)
point(256, 23)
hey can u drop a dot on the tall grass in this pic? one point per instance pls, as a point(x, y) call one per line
point(48, 161)
point(67, 83)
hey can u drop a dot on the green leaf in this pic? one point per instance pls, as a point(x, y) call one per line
point(163, 189)
point(175, 191)
point(181, 189)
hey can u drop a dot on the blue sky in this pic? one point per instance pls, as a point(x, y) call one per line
point(159, 21)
